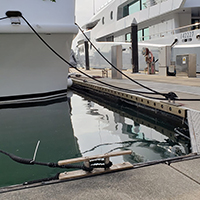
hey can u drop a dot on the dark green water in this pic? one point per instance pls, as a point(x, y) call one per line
point(82, 129)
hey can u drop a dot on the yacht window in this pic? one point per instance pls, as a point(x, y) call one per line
point(142, 35)
point(144, 4)
point(146, 34)
point(111, 15)
point(135, 7)
point(196, 18)
point(128, 37)
point(130, 7)
point(110, 38)
point(103, 20)
point(196, 21)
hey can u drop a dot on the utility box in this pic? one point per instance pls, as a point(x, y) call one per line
point(186, 65)
point(116, 59)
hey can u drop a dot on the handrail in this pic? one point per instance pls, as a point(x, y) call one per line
point(168, 31)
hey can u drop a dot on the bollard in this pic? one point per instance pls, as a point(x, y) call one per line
point(134, 46)
point(87, 62)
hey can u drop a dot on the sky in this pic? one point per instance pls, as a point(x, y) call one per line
point(85, 9)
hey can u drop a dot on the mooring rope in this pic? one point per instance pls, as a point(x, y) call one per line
point(56, 53)
point(19, 14)
point(170, 95)
point(92, 164)
point(154, 91)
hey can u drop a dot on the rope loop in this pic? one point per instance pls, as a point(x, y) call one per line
point(87, 169)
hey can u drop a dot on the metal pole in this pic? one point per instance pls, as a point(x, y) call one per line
point(87, 62)
point(134, 45)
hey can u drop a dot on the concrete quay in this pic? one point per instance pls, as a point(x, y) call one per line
point(177, 181)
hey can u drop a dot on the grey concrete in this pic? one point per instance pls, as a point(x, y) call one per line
point(194, 127)
point(190, 168)
point(153, 182)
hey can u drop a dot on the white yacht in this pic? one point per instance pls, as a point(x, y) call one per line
point(28, 69)
point(162, 25)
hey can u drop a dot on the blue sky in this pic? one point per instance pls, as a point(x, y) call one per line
point(85, 9)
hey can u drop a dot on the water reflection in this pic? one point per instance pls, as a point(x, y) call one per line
point(81, 126)
point(22, 128)
point(123, 130)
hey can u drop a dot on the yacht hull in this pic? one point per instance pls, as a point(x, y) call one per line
point(29, 67)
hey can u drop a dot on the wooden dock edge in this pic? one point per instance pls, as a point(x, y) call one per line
point(82, 159)
point(173, 109)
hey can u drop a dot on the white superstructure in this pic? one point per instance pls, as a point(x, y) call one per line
point(160, 23)
point(27, 66)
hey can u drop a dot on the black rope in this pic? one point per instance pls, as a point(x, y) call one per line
point(92, 164)
point(63, 59)
point(49, 164)
point(119, 88)
point(19, 14)
point(166, 95)
point(3, 18)
point(156, 92)
point(100, 164)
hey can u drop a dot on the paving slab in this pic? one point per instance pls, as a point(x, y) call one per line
point(190, 168)
point(194, 128)
point(158, 182)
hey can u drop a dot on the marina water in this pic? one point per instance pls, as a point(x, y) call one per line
point(79, 127)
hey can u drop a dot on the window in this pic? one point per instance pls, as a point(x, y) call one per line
point(135, 7)
point(110, 39)
point(146, 34)
point(142, 35)
point(143, 4)
point(111, 15)
point(195, 21)
point(103, 20)
point(128, 37)
point(130, 7)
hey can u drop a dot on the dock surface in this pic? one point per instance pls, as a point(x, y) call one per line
point(177, 181)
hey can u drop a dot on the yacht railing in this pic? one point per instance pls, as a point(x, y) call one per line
point(171, 32)
point(150, 3)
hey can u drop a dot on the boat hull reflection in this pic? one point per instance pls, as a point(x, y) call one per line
point(22, 128)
